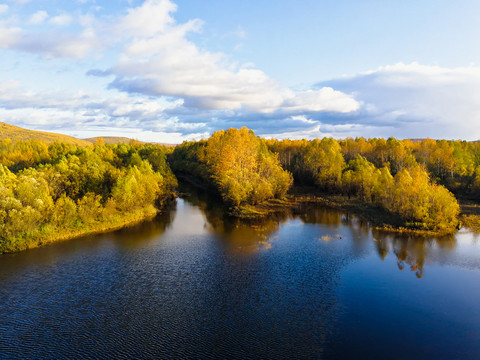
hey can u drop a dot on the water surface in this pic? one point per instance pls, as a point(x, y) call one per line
point(195, 284)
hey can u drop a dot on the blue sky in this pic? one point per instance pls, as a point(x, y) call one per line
point(166, 70)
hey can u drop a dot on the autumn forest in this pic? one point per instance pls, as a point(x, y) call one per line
point(51, 191)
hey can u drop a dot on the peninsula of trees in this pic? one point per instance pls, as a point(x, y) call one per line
point(236, 163)
point(56, 191)
point(60, 190)
point(248, 170)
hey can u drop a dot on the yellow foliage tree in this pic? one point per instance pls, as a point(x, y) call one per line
point(243, 167)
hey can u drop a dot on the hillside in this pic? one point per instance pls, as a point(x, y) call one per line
point(119, 140)
point(17, 133)
point(113, 140)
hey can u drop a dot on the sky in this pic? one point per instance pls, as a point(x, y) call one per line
point(175, 70)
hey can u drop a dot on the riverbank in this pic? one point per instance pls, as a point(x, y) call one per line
point(301, 196)
point(50, 234)
point(379, 218)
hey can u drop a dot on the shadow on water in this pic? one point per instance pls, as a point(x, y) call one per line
point(271, 294)
point(237, 235)
point(146, 232)
point(249, 236)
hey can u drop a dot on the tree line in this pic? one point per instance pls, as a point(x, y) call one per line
point(60, 189)
point(385, 173)
point(245, 169)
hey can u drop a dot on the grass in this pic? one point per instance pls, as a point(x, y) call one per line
point(264, 208)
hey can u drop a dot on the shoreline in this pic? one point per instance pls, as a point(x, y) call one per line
point(378, 218)
point(298, 196)
point(121, 223)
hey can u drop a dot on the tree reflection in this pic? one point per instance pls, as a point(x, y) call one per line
point(319, 215)
point(145, 232)
point(411, 251)
point(249, 236)
point(238, 235)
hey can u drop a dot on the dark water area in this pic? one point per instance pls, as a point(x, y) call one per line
point(195, 284)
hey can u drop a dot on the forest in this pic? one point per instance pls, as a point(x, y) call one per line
point(60, 190)
point(50, 192)
point(397, 176)
point(414, 180)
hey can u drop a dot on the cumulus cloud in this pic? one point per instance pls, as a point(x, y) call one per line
point(159, 60)
point(14, 96)
point(414, 100)
point(324, 99)
point(9, 36)
point(152, 17)
point(405, 101)
point(57, 40)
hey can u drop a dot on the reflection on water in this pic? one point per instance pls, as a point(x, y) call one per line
point(412, 251)
point(195, 283)
point(249, 236)
point(145, 232)
point(240, 236)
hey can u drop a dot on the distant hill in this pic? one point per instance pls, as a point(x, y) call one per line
point(16, 133)
point(113, 140)
point(119, 140)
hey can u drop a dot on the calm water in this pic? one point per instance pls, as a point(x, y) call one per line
point(195, 285)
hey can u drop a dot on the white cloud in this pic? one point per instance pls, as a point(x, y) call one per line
point(9, 36)
point(39, 17)
point(3, 8)
point(66, 111)
point(304, 119)
point(13, 96)
point(152, 17)
point(325, 99)
point(50, 45)
point(160, 60)
point(414, 100)
point(61, 20)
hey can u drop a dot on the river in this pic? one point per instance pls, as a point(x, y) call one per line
point(195, 284)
